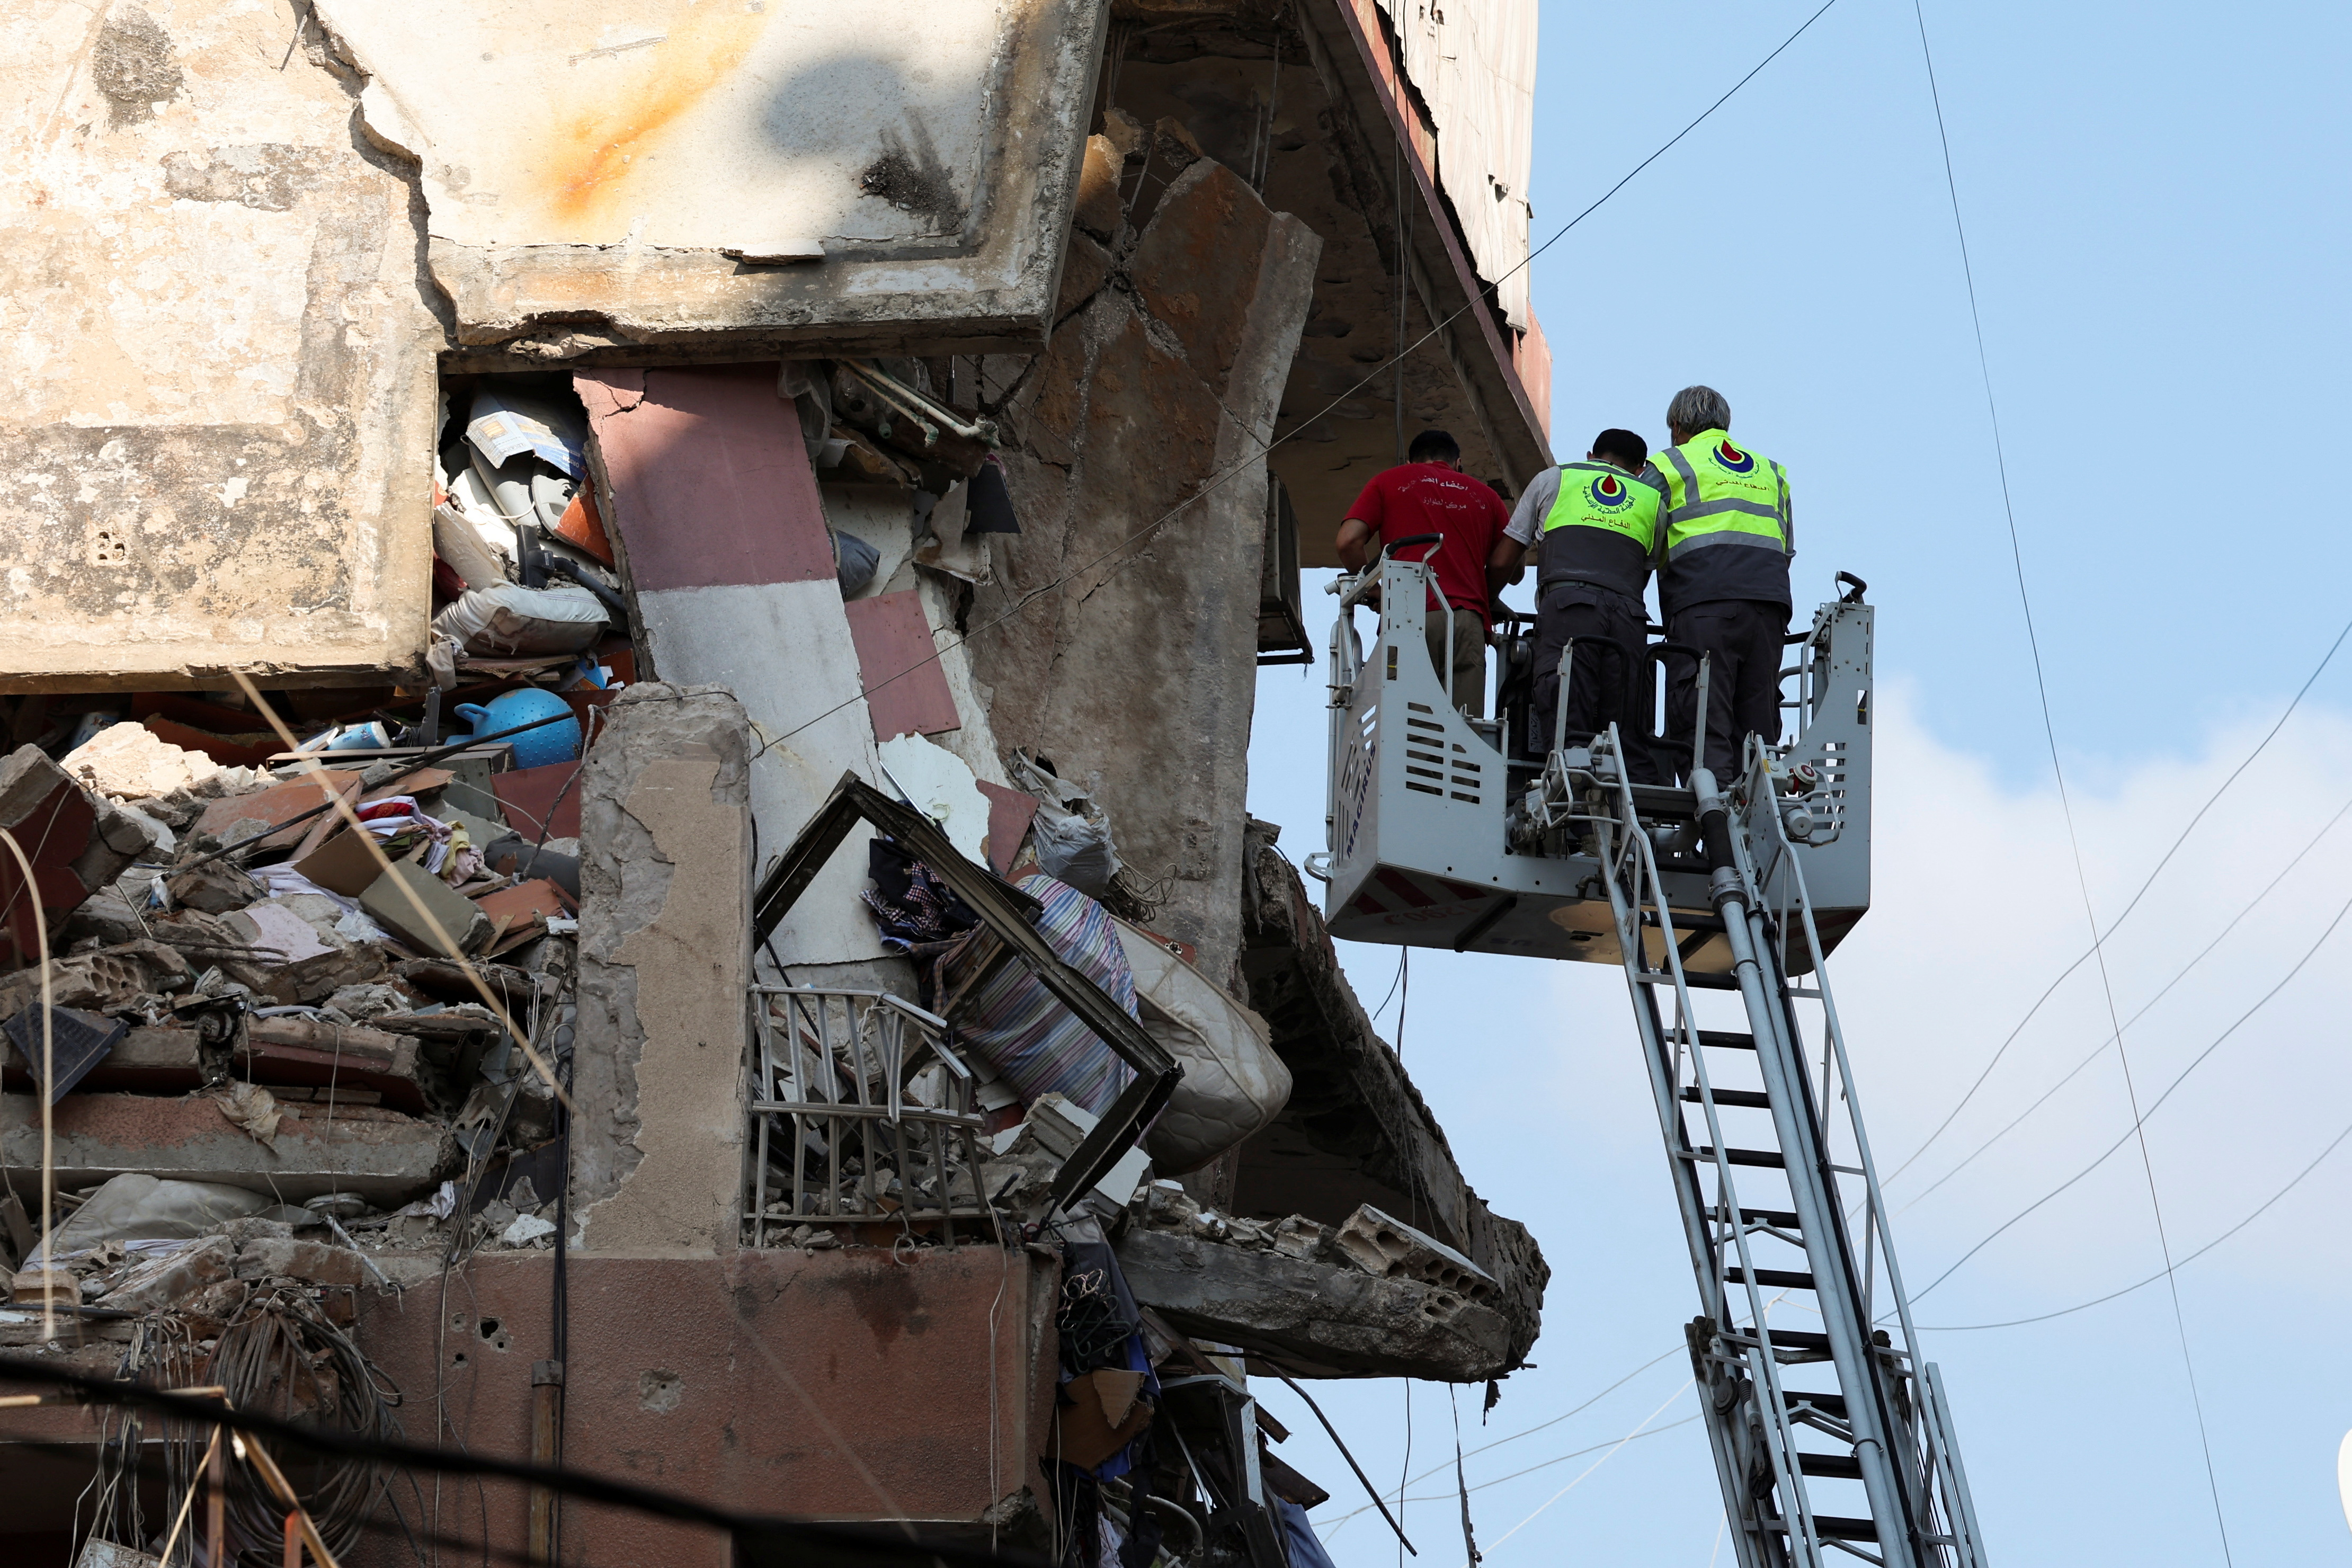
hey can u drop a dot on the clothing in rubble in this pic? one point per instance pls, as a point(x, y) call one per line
point(1025, 1034)
point(1097, 1325)
point(1305, 1548)
point(910, 904)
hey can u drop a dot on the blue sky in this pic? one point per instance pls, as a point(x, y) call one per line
point(2154, 201)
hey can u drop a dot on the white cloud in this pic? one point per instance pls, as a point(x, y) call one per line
point(2079, 1431)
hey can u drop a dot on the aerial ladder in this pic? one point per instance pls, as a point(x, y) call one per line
point(1720, 899)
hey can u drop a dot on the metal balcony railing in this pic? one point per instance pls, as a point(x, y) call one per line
point(861, 1113)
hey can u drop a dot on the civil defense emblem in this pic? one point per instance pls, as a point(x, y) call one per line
point(1609, 492)
point(1732, 459)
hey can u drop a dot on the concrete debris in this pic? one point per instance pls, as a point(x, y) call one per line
point(420, 908)
point(77, 843)
point(525, 1229)
point(1379, 1243)
point(102, 980)
point(1323, 1317)
point(131, 761)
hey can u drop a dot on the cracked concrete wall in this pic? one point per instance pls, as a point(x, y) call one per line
point(1158, 389)
point(640, 173)
point(220, 343)
point(659, 1078)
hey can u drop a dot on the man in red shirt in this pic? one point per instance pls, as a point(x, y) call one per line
point(1429, 493)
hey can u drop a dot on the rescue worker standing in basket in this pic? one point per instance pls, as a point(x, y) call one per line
point(1723, 578)
point(1426, 494)
point(1595, 527)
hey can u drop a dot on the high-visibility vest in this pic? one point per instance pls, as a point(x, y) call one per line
point(1728, 529)
point(1602, 528)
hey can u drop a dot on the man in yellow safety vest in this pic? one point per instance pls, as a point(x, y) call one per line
point(1723, 577)
point(1595, 527)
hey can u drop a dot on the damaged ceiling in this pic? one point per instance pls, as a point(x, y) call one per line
point(1294, 102)
point(622, 173)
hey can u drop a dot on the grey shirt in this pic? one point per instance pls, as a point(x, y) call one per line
point(1535, 505)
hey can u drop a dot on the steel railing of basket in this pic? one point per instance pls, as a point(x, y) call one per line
point(844, 1079)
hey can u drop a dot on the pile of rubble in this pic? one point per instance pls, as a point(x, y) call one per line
point(283, 1002)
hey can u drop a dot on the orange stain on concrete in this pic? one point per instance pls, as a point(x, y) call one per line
point(600, 143)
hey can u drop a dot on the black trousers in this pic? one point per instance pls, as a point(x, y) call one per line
point(1610, 683)
point(1742, 637)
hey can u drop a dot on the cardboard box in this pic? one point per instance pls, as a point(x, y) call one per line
point(344, 864)
point(1104, 1415)
point(389, 906)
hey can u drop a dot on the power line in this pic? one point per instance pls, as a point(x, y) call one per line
point(2332, 1144)
point(2179, 976)
point(759, 1538)
point(2139, 1120)
point(2050, 731)
point(1596, 1463)
point(1217, 481)
point(1554, 1421)
point(1514, 1475)
point(2182, 839)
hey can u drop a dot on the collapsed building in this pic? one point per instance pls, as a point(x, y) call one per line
point(633, 637)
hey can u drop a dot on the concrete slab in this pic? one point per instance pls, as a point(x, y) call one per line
point(385, 1157)
point(767, 169)
point(219, 348)
point(1315, 1318)
point(1356, 1131)
point(1142, 666)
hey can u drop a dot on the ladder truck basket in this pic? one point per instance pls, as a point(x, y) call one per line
point(1433, 829)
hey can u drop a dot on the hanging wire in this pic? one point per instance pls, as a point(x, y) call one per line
point(1255, 460)
point(2049, 733)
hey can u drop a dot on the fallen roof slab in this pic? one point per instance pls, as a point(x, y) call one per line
point(1355, 1131)
point(1315, 1319)
point(382, 1156)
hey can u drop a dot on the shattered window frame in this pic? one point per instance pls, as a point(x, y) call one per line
point(1002, 913)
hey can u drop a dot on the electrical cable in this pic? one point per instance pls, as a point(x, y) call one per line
point(2151, 881)
point(1217, 481)
point(2140, 1120)
point(1404, 1470)
point(1596, 1463)
point(2332, 1144)
point(761, 1539)
point(2050, 733)
point(1531, 1431)
point(1514, 1475)
point(2182, 973)
point(1394, 982)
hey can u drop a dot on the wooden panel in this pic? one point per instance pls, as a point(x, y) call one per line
point(1008, 814)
